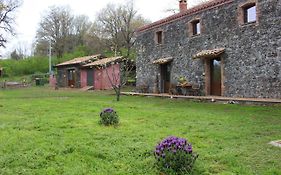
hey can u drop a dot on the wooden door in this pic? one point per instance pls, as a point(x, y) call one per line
point(216, 76)
point(165, 77)
point(90, 77)
point(71, 77)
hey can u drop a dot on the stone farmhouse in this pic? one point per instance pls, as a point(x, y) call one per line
point(228, 48)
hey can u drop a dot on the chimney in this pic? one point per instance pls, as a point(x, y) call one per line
point(183, 5)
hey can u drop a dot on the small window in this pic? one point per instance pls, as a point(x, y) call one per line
point(250, 14)
point(194, 27)
point(159, 37)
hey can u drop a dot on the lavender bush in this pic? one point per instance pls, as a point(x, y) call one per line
point(109, 117)
point(175, 155)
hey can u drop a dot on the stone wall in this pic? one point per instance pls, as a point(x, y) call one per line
point(252, 59)
point(62, 73)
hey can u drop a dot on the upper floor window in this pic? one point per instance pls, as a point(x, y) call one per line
point(159, 37)
point(250, 13)
point(196, 27)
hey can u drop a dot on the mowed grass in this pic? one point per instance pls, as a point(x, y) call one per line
point(43, 131)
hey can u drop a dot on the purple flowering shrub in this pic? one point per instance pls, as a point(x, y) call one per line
point(175, 155)
point(109, 117)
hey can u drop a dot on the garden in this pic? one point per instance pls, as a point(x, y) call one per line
point(45, 131)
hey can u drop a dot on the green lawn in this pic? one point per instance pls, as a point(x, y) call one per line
point(44, 131)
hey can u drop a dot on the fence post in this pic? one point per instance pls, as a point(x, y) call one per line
point(5, 85)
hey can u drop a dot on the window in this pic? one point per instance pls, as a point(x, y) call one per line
point(196, 27)
point(159, 37)
point(250, 14)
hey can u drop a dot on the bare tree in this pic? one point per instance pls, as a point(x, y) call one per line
point(66, 31)
point(15, 55)
point(55, 26)
point(80, 27)
point(23, 49)
point(7, 18)
point(93, 39)
point(119, 23)
point(109, 21)
point(119, 78)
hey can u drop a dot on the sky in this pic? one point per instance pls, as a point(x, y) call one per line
point(29, 15)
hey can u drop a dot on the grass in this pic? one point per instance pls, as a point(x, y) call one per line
point(44, 131)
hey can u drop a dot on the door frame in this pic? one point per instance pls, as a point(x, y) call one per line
point(208, 75)
point(73, 70)
point(93, 77)
point(163, 76)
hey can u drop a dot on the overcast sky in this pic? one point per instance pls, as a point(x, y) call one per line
point(29, 15)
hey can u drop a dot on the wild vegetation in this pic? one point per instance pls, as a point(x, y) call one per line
point(71, 36)
point(113, 30)
point(45, 131)
point(35, 64)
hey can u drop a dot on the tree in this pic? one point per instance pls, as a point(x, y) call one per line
point(55, 26)
point(66, 31)
point(15, 55)
point(7, 18)
point(119, 23)
point(94, 41)
point(80, 27)
point(119, 78)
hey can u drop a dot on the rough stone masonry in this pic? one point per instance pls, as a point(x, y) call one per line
point(251, 63)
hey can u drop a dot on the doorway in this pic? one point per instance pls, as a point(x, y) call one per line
point(71, 77)
point(165, 77)
point(90, 77)
point(215, 77)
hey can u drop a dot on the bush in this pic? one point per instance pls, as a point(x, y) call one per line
point(175, 155)
point(109, 117)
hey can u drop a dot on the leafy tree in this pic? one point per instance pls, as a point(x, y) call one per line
point(7, 17)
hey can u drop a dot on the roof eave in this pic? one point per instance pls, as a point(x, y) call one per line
point(178, 16)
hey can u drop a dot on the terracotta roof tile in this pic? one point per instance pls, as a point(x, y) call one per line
point(163, 60)
point(209, 53)
point(103, 61)
point(79, 60)
point(208, 5)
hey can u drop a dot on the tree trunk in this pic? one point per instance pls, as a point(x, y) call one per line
point(118, 93)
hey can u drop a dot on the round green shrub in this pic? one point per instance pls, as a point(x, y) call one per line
point(109, 117)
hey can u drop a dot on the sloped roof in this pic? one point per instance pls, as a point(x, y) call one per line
point(205, 6)
point(209, 53)
point(79, 60)
point(103, 61)
point(163, 60)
